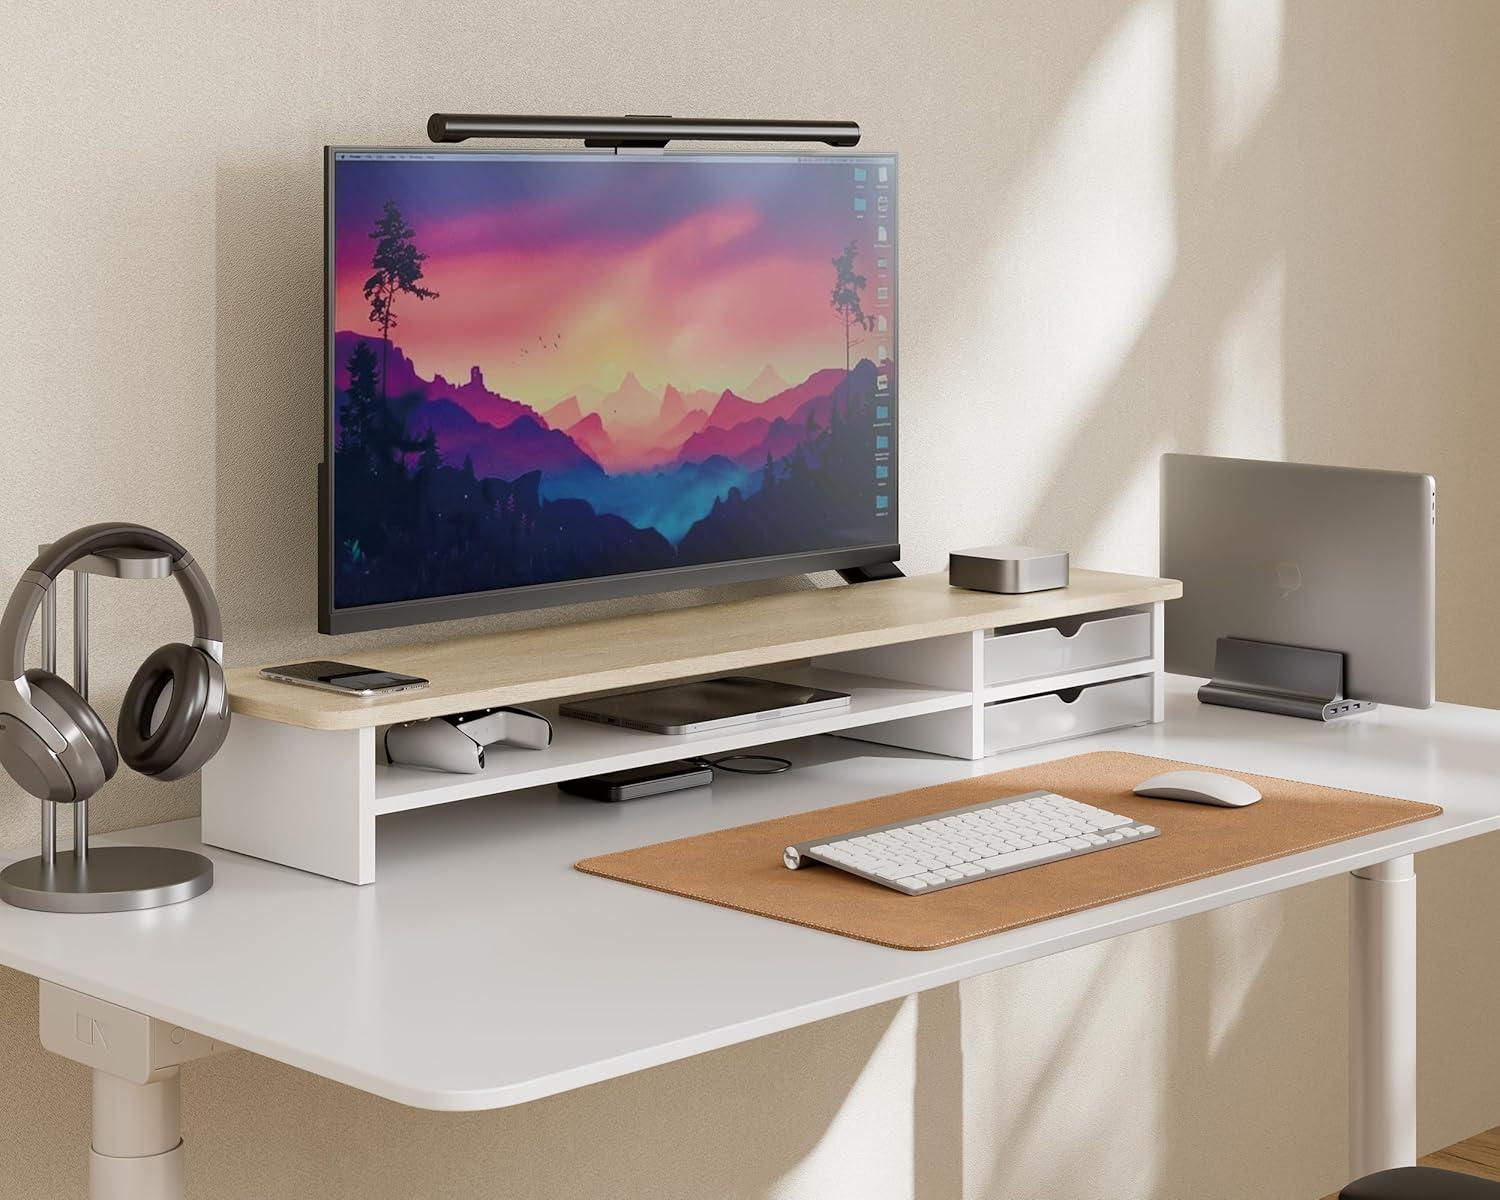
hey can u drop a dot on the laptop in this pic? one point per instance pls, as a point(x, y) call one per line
point(705, 704)
point(1326, 558)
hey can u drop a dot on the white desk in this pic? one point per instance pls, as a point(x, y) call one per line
point(471, 975)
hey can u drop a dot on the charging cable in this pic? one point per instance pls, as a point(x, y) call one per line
point(775, 764)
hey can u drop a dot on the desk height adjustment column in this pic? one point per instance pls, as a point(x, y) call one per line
point(136, 1148)
point(1382, 1016)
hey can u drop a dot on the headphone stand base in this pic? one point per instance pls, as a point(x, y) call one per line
point(109, 879)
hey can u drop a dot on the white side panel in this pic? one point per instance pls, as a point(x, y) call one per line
point(1159, 654)
point(301, 797)
point(956, 734)
point(946, 662)
point(956, 662)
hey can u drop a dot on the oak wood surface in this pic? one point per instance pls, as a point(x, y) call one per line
point(526, 665)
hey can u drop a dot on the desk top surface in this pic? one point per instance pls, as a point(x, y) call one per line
point(521, 666)
point(482, 971)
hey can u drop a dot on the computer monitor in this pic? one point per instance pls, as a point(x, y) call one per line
point(567, 376)
point(1284, 555)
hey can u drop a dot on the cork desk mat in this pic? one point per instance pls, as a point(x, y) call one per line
point(741, 868)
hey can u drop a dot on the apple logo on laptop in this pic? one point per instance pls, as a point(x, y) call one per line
point(1288, 578)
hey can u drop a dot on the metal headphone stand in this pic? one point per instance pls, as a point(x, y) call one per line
point(99, 878)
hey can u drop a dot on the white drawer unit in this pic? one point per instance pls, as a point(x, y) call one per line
point(1073, 644)
point(1070, 713)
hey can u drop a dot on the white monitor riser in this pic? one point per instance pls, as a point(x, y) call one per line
point(309, 797)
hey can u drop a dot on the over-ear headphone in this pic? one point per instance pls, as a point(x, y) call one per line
point(176, 711)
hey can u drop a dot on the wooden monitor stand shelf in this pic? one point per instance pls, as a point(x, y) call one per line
point(301, 780)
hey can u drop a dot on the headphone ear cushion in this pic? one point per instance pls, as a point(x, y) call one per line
point(165, 705)
point(78, 710)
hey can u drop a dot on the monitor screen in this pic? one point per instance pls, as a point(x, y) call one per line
point(559, 376)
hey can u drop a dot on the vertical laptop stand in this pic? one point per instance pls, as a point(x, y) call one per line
point(105, 878)
point(1291, 681)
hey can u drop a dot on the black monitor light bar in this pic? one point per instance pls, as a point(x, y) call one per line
point(638, 132)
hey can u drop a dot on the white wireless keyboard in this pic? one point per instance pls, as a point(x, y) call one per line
point(977, 842)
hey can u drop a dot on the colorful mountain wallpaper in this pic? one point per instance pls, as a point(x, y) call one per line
point(551, 368)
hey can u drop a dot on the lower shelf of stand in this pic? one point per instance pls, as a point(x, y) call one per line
point(586, 748)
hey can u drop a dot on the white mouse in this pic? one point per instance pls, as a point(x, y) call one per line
point(1200, 787)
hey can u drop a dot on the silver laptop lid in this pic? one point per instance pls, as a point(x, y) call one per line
point(1331, 558)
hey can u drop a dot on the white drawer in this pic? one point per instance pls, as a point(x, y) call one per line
point(1012, 724)
point(1068, 645)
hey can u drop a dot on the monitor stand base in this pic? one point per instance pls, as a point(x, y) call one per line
point(885, 570)
point(1291, 681)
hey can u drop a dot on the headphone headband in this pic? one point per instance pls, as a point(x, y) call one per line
point(21, 610)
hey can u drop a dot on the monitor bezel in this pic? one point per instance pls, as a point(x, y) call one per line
point(423, 610)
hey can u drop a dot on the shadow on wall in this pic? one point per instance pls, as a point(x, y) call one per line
point(269, 320)
point(1231, 244)
point(1212, 233)
point(1146, 1061)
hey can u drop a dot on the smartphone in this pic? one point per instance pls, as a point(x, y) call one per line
point(639, 782)
point(346, 678)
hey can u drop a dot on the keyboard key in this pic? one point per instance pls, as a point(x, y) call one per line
point(1025, 858)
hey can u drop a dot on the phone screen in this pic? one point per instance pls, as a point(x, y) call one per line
point(364, 680)
point(343, 675)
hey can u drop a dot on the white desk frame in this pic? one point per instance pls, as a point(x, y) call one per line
point(192, 967)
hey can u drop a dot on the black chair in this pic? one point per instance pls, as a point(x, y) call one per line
point(1421, 1183)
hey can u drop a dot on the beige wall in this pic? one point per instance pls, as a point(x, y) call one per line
point(1128, 227)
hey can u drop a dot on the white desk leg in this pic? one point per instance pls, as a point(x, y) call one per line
point(136, 1151)
point(137, 1144)
point(1382, 1016)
